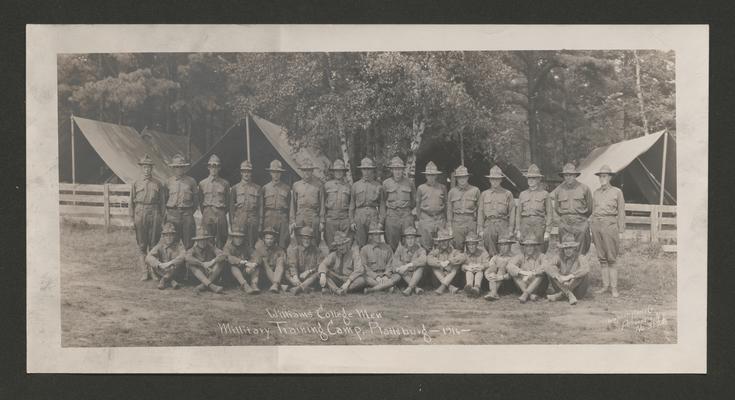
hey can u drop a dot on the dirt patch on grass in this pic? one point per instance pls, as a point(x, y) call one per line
point(104, 304)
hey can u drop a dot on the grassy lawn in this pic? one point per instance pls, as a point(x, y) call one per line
point(104, 304)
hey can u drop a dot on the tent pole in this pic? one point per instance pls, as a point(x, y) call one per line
point(663, 170)
point(73, 155)
point(247, 135)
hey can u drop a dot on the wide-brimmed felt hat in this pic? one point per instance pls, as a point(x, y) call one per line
point(338, 165)
point(530, 240)
point(569, 169)
point(202, 234)
point(306, 231)
point(396, 162)
point(606, 170)
point(431, 169)
point(472, 238)
point(506, 239)
point(495, 173)
point(375, 228)
point(307, 164)
point(168, 228)
point(246, 166)
point(178, 160)
point(340, 238)
point(269, 230)
point(410, 231)
point(275, 166)
point(146, 160)
point(568, 242)
point(366, 163)
point(214, 160)
point(461, 171)
point(533, 172)
point(442, 235)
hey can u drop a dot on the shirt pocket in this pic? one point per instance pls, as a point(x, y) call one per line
point(563, 199)
point(360, 196)
point(404, 193)
point(577, 201)
point(456, 199)
point(331, 200)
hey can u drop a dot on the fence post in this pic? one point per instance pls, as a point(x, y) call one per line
point(654, 223)
point(106, 197)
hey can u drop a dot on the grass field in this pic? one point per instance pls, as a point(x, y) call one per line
point(104, 304)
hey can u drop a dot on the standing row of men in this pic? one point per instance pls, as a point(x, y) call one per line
point(395, 204)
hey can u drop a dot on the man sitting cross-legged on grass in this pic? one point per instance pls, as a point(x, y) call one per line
point(377, 272)
point(445, 262)
point(409, 261)
point(238, 252)
point(271, 257)
point(341, 266)
point(167, 257)
point(527, 270)
point(303, 261)
point(568, 271)
point(496, 271)
point(205, 261)
point(474, 265)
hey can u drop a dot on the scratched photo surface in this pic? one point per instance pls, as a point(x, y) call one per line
point(478, 109)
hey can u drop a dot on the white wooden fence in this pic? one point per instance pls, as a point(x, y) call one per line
point(108, 205)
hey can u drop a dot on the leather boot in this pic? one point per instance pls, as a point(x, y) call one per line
point(572, 298)
point(146, 272)
point(523, 298)
point(174, 284)
point(407, 291)
point(453, 289)
point(614, 281)
point(162, 284)
point(605, 271)
point(215, 288)
point(555, 296)
point(418, 290)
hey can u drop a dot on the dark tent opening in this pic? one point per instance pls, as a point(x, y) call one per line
point(446, 155)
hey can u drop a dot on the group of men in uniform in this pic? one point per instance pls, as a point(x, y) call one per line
point(380, 235)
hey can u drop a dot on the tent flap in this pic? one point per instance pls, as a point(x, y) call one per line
point(121, 147)
point(168, 145)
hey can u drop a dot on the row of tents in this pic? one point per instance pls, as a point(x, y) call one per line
point(642, 164)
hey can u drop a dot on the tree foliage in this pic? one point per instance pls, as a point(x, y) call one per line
point(546, 107)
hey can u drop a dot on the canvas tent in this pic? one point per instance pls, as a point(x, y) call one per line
point(168, 145)
point(104, 149)
point(639, 164)
point(266, 141)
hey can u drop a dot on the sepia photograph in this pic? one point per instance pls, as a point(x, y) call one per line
point(410, 197)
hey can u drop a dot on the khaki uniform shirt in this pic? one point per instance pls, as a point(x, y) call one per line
point(479, 259)
point(376, 258)
point(161, 253)
point(463, 201)
point(269, 257)
point(245, 196)
point(522, 262)
point(147, 191)
point(336, 199)
point(415, 255)
point(214, 192)
point(557, 266)
point(498, 264)
point(307, 196)
point(236, 254)
point(609, 202)
point(365, 194)
point(574, 199)
point(497, 204)
point(399, 195)
point(348, 265)
point(196, 256)
point(302, 258)
point(535, 203)
point(455, 257)
point(182, 192)
point(431, 200)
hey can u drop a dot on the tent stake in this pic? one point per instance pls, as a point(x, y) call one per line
point(663, 177)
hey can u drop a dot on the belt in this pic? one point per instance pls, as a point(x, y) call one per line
point(432, 213)
point(180, 208)
point(464, 213)
point(211, 206)
point(496, 217)
point(533, 216)
point(375, 207)
point(138, 203)
point(276, 209)
point(399, 209)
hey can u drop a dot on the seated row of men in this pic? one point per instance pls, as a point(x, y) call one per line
point(372, 268)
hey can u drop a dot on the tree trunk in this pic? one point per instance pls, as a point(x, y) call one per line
point(418, 127)
point(344, 147)
point(639, 91)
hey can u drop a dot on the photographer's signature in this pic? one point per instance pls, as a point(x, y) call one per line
point(639, 320)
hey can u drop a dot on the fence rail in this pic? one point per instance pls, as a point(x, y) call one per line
point(108, 205)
